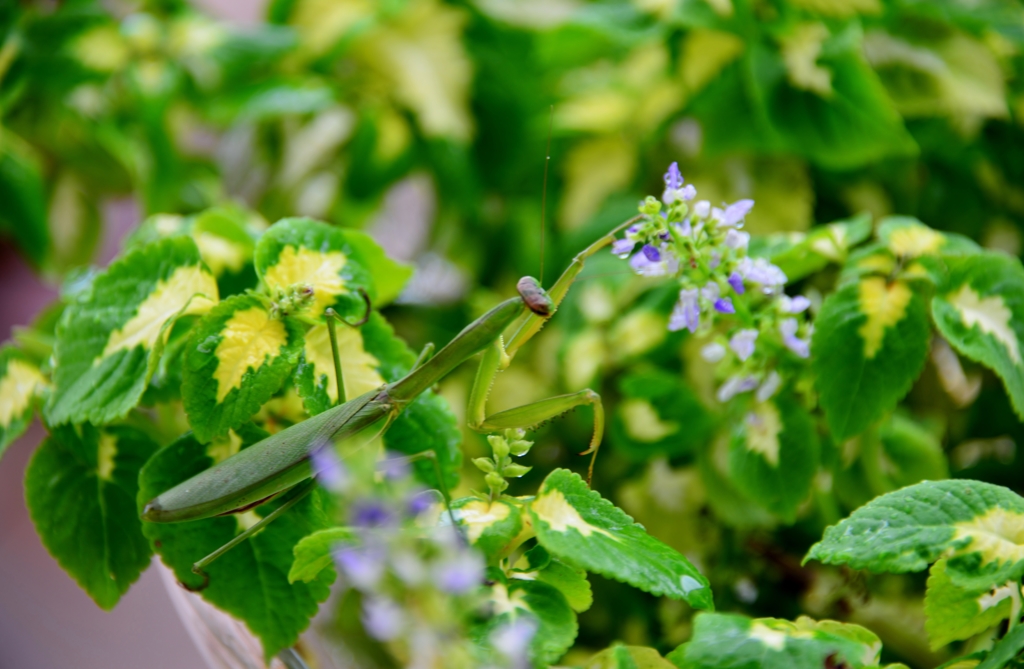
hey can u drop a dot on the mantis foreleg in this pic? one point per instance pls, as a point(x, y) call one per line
point(499, 355)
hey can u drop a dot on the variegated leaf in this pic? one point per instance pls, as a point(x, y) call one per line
point(578, 526)
point(542, 604)
point(111, 337)
point(822, 245)
point(955, 613)
point(981, 313)
point(774, 455)
point(236, 358)
point(21, 386)
point(299, 254)
point(978, 526)
point(726, 641)
point(80, 488)
point(489, 525)
point(869, 345)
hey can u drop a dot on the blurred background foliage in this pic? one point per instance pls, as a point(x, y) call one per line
point(427, 123)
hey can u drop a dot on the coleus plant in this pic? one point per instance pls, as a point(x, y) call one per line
point(209, 333)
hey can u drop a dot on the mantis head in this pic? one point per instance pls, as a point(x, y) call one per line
point(535, 297)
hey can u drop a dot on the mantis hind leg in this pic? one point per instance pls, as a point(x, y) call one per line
point(297, 494)
point(534, 414)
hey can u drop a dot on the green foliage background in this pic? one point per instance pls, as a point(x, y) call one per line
point(819, 110)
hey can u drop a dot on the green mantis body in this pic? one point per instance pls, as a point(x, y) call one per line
point(281, 461)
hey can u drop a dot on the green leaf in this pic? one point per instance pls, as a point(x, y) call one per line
point(250, 581)
point(981, 313)
point(538, 565)
point(300, 252)
point(21, 384)
point(1005, 650)
point(659, 413)
point(898, 453)
point(80, 487)
point(490, 526)
point(726, 641)
point(23, 192)
point(627, 657)
point(389, 276)
point(556, 622)
point(955, 613)
point(236, 358)
point(371, 356)
point(313, 553)
point(869, 345)
point(774, 454)
point(823, 244)
point(978, 526)
point(578, 526)
point(111, 337)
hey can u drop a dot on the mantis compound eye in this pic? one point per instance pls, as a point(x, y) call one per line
point(535, 297)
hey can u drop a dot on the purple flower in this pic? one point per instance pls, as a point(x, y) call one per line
point(623, 247)
point(734, 213)
point(769, 386)
point(686, 313)
point(715, 260)
point(793, 305)
point(737, 239)
point(644, 266)
point(383, 619)
point(329, 469)
point(674, 189)
point(713, 352)
point(762, 272)
point(673, 178)
point(742, 343)
point(395, 466)
point(512, 639)
point(420, 503)
point(735, 385)
point(723, 305)
point(736, 281)
point(788, 328)
point(461, 573)
point(370, 513)
point(684, 228)
point(362, 567)
point(651, 253)
point(710, 291)
point(702, 209)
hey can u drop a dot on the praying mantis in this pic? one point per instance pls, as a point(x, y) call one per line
point(282, 461)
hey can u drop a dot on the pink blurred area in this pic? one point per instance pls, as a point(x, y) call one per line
point(46, 620)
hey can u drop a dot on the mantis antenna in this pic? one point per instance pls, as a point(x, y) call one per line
point(544, 192)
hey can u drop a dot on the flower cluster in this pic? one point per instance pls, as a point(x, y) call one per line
point(418, 581)
point(724, 292)
point(499, 466)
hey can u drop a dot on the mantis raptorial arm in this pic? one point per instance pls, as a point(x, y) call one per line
point(498, 356)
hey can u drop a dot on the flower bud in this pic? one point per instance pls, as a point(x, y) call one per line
point(496, 481)
point(500, 448)
point(484, 464)
point(520, 447)
point(515, 471)
point(650, 206)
